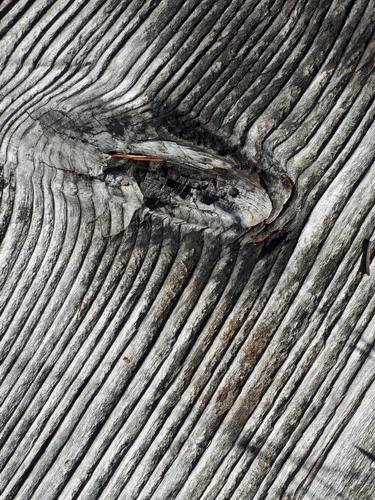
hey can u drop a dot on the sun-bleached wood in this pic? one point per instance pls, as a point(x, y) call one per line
point(203, 327)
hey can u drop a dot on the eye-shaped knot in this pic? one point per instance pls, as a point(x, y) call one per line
point(195, 185)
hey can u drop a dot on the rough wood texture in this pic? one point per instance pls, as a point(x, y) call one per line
point(201, 327)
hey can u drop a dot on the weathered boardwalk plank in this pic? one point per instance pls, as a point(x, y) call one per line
point(204, 326)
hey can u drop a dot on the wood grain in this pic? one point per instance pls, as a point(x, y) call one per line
point(153, 350)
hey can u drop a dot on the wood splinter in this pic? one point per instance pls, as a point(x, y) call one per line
point(137, 157)
point(366, 256)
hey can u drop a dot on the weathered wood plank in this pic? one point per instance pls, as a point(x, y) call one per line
point(199, 327)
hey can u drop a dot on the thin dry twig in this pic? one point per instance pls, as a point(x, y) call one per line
point(137, 157)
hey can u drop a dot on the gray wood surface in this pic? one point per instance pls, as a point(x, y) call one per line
point(200, 326)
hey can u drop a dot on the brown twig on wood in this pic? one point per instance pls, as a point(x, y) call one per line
point(137, 157)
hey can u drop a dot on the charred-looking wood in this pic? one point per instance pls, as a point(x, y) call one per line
point(223, 192)
point(186, 187)
point(196, 186)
